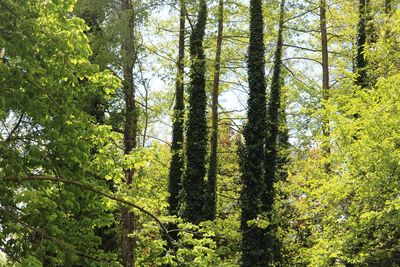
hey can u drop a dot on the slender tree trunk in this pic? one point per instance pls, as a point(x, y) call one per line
point(283, 141)
point(253, 240)
point(128, 60)
point(213, 166)
point(361, 62)
point(194, 190)
point(271, 140)
point(273, 118)
point(388, 7)
point(388, 13)
point(325, 84)
point(177, 166)
point(177, 162)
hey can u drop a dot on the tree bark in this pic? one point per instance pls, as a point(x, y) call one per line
point(130, 129)
point(325, 85)
point(213, 164)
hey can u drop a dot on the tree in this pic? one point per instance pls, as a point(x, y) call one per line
point(46, 79)
point(325, 84)
point(193, 198)
point(129, 56)
point(272, 138)
point(362, 29)
point(211, 203)
point(253, 241)
point(177, 162)
point(388, 6)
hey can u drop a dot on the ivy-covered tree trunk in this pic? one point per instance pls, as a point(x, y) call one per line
point(283, 139)
point(271, 140)
point(193, 199)
point(388, 6)
point(361, 62)
point(253, 241)
point(177, 162)
point(130, 129)
point(211, 204)
point(325, 84)
point(388, 13)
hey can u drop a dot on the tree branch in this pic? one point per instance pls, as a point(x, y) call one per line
point(92, 189)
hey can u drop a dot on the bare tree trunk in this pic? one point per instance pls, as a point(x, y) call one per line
point(325, 83)
point(213, 167)
point(128, 61)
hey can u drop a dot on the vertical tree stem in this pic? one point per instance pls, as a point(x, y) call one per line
point(213, 166)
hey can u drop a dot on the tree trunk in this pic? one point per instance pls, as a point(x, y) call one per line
point(325, 85)
point(253, 241)
point(271, 140)
point(388, 13)
point(388, 7)
point(273, 117)
point(177, 161)
point(213, 166)
point(193, 198)
point(283, 144)
point(361, 62)
point(177, 166)
point(128, 60)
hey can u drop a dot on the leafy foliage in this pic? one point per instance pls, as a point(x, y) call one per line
point(62, 111)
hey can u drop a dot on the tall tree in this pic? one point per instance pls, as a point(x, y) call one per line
point(50, 135)
point(253, 242)
point(271, 140)
point(388, 6)
point(361, 62)
point(177, 162)
point(325, 83)
point(130, 128)
point(211, 204)
point(283, 144)
point(193, 198)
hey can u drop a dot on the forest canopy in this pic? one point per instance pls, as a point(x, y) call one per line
point(199, 133)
